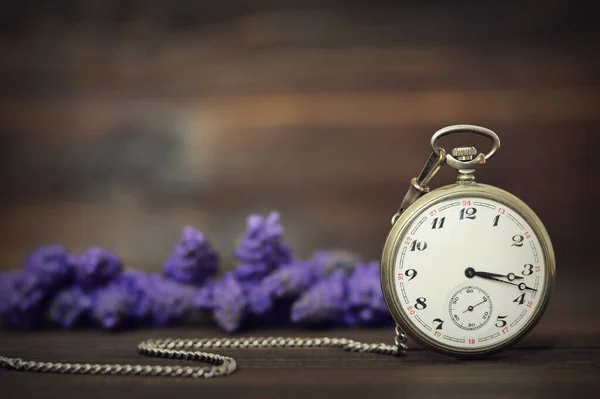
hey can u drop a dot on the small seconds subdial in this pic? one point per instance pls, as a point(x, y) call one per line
point(470, 308)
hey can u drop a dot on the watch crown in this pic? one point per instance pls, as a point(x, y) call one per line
point(464, 153)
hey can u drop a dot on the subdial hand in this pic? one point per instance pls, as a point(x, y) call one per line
point(470, 308)
point(470, 272)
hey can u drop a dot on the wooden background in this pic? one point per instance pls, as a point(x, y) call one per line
point(123, 121)
point(120, 122)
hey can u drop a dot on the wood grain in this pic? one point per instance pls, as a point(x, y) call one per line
point(121, 122)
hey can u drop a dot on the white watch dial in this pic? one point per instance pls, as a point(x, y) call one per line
point(470, 273)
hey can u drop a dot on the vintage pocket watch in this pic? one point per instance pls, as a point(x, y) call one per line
point(468, 268)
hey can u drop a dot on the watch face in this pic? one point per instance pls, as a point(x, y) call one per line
point(470, 274)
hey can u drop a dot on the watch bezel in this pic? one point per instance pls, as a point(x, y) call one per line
point(399, 230)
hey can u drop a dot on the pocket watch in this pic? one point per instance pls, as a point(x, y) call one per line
point(467, 269)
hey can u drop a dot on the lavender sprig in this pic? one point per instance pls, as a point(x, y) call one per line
point(193, 260)
point(291, 280)
point(229, 303)
point(112, 307)
point(326, 262)
point(204, 298)
point(259, 300)
point(138, 287)
point(70, 308)
point(365, 304)
point(171, 302)
point(25, 300)
point(287, 283)
point(261, 250)
point(323, 303)
point(97, 267)
point(52, 265)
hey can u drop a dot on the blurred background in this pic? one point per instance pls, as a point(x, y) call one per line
point(123, 121)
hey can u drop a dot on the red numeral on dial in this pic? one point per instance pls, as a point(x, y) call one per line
point(400, 277)
point(471, 341)
point(410, 310)
point(437, 333)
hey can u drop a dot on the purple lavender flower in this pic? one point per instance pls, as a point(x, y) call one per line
point(138, 286)
point(203, 299)
point(112, 308)
point(326, 262)
point(26, 293)
point(261, 251)
point(193, 260)
point(259, 300)
point(171, 301)
point(323, 303)
point(52, 264)
point(70, 307)
point(365, 304)
point(97, 267)
point(235, 303)
point(230, 307)
point(25, 300)
point(290, 281)
point(278, 290)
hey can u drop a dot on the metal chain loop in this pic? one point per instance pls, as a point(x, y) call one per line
point(189, 349)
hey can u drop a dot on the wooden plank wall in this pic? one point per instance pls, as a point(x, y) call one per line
point(120, 122)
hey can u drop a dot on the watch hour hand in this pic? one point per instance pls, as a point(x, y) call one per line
point(509, 276)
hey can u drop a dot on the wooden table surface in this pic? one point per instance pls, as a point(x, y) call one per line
point(120, 129)
point(555, 360)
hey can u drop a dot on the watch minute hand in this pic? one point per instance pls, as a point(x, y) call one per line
point(521, 286)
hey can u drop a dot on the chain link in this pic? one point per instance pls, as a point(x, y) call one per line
point(189, 349)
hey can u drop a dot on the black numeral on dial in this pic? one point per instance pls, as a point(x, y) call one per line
point(468, 213)
point(418, 245)
point(438, 223)
point(496, 220)
point(528, 270)
point(439, 322)
point(517, 241)
point(520, 299)
point(421, 303)
point(412, 273)
point(500, 322)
